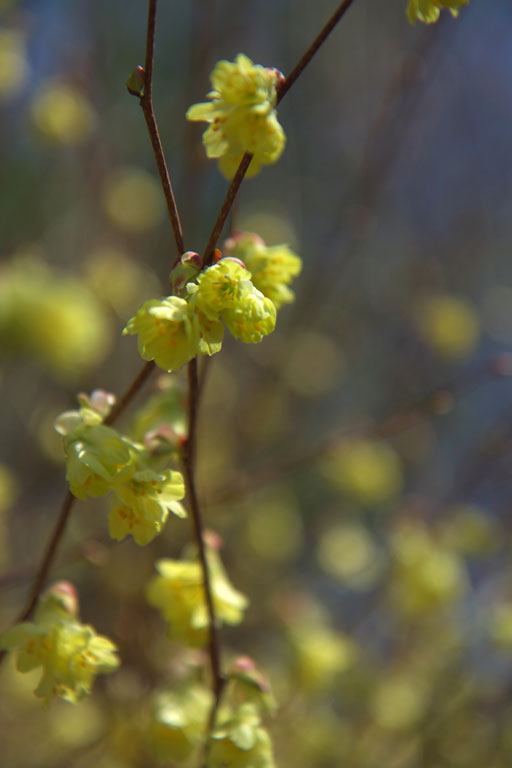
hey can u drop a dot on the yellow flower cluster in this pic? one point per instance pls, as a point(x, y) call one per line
point(70, 654)
point(242, 116)
point(173, 330)
point(100, 460)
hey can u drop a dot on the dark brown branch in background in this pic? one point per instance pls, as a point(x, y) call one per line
point(146, 102)
point(437, 402)
point(283, 90)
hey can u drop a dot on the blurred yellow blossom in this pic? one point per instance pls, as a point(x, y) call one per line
point(449, 325)
point(14, 67)
point(427, 576)
point(368, 471)
point(62, 114)
point(133, 200)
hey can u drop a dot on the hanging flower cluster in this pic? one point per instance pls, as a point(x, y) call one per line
point(180, 719)
point(99, 460)
point(428, 10)
point(173, 330)
point(242, 116)
point(178, 593)
point(272, 267)
point(70, 654)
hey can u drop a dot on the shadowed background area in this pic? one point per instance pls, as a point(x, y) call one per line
point(356, 463)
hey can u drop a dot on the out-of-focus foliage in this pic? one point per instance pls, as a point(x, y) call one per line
point(356, 462)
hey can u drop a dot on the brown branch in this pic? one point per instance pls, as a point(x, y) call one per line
point(125, 399)
point(282, 91)
point(189, 463)
point(146, 102)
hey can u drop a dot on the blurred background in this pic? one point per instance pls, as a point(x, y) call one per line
point(358, 462)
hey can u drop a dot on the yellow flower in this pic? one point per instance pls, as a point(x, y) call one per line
point(272, 267)
point(143, 505)
point(168, 332)
point(241, 742)
point(179, 722)
point(429, 10)
point(242, 116)
point(70, 654)
point(225, 291)
point(178, 594)
point(96, 456)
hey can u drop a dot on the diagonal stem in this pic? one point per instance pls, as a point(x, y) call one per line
point(146, 102)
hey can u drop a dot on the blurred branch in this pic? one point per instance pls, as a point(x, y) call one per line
point(439, 401)
point(146, 102)
point(246, 159)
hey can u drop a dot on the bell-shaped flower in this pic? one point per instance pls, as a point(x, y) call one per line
point(252, 317)
point(272, 268)
point(178, 593)
point(96, 456)
point(225, 291)
point(428, 10)
point(143, 504)
point(241, 113)
point(240, 742)
point(168, 332)
point(70, 654)
point(179, 722)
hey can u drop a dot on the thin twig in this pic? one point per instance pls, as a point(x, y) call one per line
point(142, 376)
point(246, 159)
point(146, 102)
point(189, 461)
point(225, 209)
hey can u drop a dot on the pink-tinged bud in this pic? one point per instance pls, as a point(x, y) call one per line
point(244, 664)
point(163, 435)
point(193, 259)
point(235, 237)
point(136, 81)
point(279, 78)
point(67, 595)
point(213, 540)
point(237, 261)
